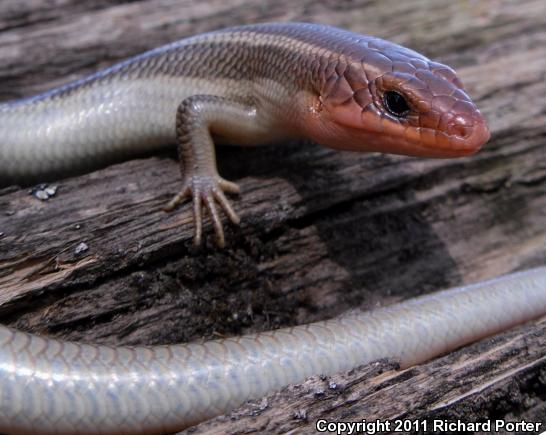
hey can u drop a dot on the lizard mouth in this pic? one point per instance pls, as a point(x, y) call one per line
point(458, 141)
point(395, 139)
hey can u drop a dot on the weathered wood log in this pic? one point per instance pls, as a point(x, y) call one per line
point(322, 231)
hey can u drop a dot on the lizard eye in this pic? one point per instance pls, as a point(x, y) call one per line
point(396, 104)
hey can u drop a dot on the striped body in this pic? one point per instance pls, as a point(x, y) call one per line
point(130, 108)
point(284, 72)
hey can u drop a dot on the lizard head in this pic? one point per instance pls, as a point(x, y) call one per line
point(392, 99)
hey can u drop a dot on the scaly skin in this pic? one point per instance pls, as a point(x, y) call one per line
point(248, 85)
point(51, 386)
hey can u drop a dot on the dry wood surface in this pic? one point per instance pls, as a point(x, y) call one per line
point(322, 231)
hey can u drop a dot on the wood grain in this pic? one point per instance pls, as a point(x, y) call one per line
point(322, 231)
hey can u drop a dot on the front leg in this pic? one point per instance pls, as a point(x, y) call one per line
point(196, 118)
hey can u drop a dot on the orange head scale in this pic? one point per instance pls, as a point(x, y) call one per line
point(384, 97)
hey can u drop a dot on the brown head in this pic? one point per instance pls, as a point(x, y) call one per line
point(379, 96)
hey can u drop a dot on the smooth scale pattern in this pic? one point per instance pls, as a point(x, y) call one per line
point(51, 386)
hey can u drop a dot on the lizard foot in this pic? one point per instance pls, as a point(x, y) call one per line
point(208, 190)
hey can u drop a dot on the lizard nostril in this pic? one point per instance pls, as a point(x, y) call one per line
point(458, 130)
point(460, 126)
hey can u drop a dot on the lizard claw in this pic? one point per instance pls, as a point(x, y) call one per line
point(210, 191)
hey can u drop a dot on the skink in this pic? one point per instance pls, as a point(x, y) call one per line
point(245, 85)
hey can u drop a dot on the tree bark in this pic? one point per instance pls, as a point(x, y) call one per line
point(322, 231)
